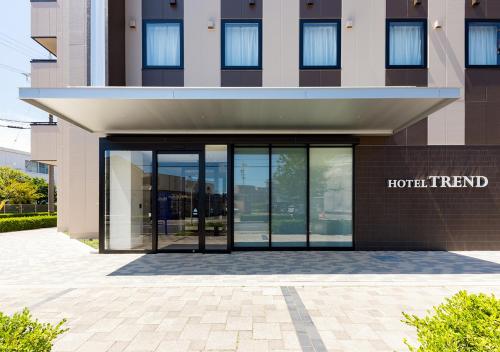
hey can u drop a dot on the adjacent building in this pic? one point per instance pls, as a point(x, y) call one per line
point(219, 125)
point(20, 160)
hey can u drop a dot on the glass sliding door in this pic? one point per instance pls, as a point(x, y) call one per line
point(330, 189)
point(178, 201)
point(216, 197)
point(251, 197)
point(289, 197)
point(128, 187)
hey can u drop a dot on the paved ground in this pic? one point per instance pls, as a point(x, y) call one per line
point(253, 301)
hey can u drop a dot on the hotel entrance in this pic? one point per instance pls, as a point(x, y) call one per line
point(171, 197)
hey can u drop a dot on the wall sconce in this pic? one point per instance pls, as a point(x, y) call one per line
point(310, 2)
point(251, 2)
point(475, 2)
point(211, 24)
point(173, 2)
point(417, 2)
point(132, 23)
point(348, 24)
point(437, 24)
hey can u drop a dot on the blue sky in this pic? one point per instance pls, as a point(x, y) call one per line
point(16, 50)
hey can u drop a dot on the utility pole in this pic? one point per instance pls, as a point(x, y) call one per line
point(50, 196)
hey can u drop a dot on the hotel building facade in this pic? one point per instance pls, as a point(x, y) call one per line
point(221, 125)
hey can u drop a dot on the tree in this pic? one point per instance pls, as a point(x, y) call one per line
point(43, 189)
point(16, 187)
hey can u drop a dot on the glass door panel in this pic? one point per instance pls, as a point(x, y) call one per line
point(178, 196)
point(216, 197)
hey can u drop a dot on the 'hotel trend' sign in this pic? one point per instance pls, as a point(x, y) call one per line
point(441, 182)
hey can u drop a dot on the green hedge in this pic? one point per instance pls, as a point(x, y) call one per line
point(24, 215)
point(27, 223)
point(22, 333)
point(464, 322)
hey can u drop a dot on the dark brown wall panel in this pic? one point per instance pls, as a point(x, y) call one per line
point(486, 9)
point(241, 78)
point(320, 78)
point(407, 77)
point(321, 9)
point(162, 78)
point(429, 218)
point(116, 42)
point(482, 103)
point(406, 9)
point(161, 9)
point(236, 9)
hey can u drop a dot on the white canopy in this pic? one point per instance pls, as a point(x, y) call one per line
point(360, 111)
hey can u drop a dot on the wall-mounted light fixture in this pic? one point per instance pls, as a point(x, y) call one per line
point(310, 2)
point(132, 23)
point(251, 2)
point(417, 2)
point(348, 23)
point(437, 24)
point(475, 2)
point(173, 2)
point(211, 24)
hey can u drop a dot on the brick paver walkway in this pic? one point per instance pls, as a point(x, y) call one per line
point(245, 301)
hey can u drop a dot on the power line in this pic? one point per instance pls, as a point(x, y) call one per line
point(19, 45)
point(16, 70)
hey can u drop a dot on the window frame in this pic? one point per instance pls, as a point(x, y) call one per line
point(423, 22)
point(301, 44)
point(223, 44)
point(145, 45)
point(468, 23)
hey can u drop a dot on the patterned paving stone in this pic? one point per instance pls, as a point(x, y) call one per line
point(184, 302)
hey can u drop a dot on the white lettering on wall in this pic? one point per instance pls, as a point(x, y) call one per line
point(440, 182)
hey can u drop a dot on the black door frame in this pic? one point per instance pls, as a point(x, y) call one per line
point(195, 143)
point(201, 200)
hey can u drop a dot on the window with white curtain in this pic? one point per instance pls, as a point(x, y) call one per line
point(407, 43)
point(241, 42)
point(483, 43)
point(163, 44)
point(320, 44)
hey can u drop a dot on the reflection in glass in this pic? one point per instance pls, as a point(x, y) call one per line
point(177, 208)
point(128, 223)
point(330, 197)
point(289, 197)
point(216, 197)
point(251, 197)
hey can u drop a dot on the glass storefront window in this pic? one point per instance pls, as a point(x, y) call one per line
point(251, 197)
point(216, 197)
point(128, 188)
point(289, 197)
point(330, 176)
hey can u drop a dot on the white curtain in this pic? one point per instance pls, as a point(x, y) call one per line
point(163, 44)
point(319, 44)
point(241, 44)
point(483, 45)
point(406, 43)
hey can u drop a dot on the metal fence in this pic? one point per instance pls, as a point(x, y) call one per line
point(26, 208)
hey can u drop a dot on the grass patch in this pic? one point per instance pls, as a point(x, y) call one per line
point(94, 243)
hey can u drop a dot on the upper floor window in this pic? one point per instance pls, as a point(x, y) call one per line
point(406, 43)
point(482, 40)
point(241, 44)
point(319, 44)
point(163, 44)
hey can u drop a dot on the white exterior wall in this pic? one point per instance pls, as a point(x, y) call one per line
point(446, 69)
point(280, 43)
point(363, 45)
point(202, 45)
point(133, 43)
